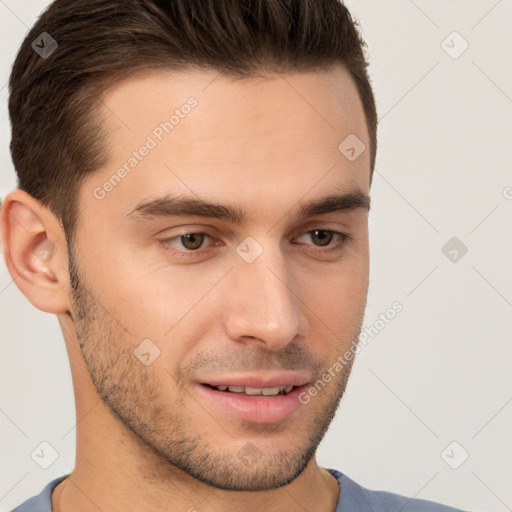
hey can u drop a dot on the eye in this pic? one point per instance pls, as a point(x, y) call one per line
point(189, 241)
point(324, 237)
point(190, 244)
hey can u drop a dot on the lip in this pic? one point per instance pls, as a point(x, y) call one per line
point(260, 381)
point(258, 409)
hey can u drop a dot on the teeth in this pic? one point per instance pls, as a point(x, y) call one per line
point(269, 391)
point(256, 391)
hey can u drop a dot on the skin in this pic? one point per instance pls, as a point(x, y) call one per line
point(144, 433)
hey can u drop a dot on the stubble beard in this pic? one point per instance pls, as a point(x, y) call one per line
point(132, 393)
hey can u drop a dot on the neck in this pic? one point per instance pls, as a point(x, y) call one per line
point(119, 473)
point(116, 491)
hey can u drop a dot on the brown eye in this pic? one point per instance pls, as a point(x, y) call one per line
point(188, 244)
point(322, 236)
point(192, 241)
point(324, 240)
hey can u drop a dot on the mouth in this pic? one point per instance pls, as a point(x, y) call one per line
point(262, 405)
point(250, 391)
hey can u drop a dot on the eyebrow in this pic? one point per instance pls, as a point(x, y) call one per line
point(180, 206)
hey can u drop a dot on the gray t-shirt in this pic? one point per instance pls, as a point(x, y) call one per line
point(353, 498)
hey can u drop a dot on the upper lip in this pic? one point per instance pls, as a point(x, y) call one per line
point(259, 380)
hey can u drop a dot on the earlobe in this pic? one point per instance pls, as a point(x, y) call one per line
point(34, 248)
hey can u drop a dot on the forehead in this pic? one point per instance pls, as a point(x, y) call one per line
point(325, 99)
point(218, 137)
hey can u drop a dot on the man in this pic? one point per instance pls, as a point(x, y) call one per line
point(195, 212)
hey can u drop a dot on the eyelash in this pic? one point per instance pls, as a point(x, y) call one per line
point(185, 253)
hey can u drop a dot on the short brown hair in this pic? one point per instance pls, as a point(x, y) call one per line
point(57, 140)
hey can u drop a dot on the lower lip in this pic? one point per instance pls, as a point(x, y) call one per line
point(255, 409)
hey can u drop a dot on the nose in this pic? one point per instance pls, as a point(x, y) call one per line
point(262, 303)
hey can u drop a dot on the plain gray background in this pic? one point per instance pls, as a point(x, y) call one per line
point(433, 386)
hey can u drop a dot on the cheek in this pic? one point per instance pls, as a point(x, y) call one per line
point(162, 303)
point(336, 300)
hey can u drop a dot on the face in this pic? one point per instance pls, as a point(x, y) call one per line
point(214, 259)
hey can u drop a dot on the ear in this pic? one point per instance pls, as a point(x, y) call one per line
point(35, 251)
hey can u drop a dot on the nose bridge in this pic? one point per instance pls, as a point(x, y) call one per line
point(263, 304)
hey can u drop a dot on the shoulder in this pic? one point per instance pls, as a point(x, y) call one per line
point(40, 502)
point(356, 498)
